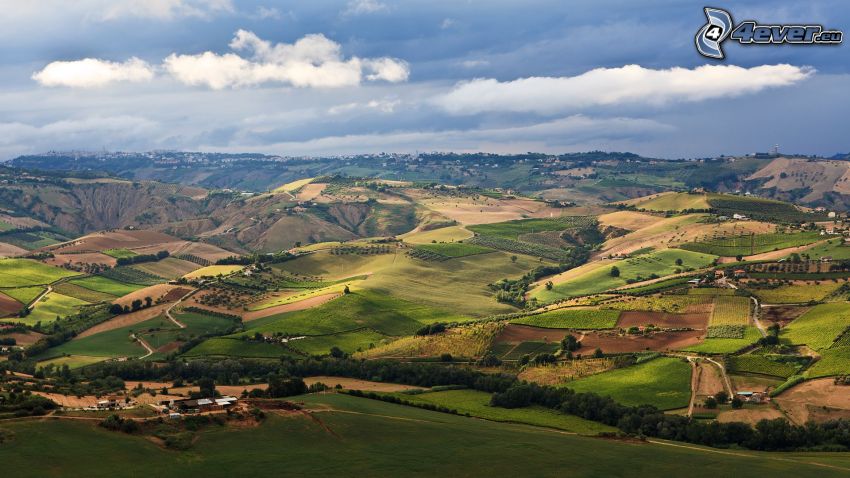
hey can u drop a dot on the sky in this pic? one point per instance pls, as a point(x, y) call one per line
point(369, 76)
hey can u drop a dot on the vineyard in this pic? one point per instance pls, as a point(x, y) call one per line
point(362, 250)
point(761, 209)
point(730, 310)
point(514, 229)
point(749, 244)
point(445, 251)
point(761, 365)
point(517, 247)
point(725, 332)
point(666, 303)
point(819, 327)
point(796, 294)
point(572, 319)
point(557, 374)
point(530, 348)
point(133, 276)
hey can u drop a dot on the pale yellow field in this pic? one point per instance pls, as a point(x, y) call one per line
point(445, 234)
point(294, 185)
point(631, 220)
point(212, 271)
point(671, 201)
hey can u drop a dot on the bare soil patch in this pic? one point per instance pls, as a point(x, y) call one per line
point(124, 320)
point(155, 292)
point(311, 191)
point(291, 307)
point(658, 342)
point(638, 318)
point(817, 400)
point(749, 415)
point(514, 333)
point(11, 250)
point(100, 241)
point(23, 338)
point(9, 306)
point(82, 258)
point(782, 315)
point(709, 380)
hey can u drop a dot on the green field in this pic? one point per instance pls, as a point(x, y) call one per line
point(24, 295)
point(348, 342)
point(26, 272)
point(819, 326)
point(231, 347)
point(119, 253)
point(362, 437)
point(131, 276)
point(797, 293)
point(664, 382)
point(51, 306)
point(761, 365)
point(730, 310)
point(106, 285)
point(833, 361)
point(834, 248)
point(513, 229)
point(572, 318)
point(363, 309)
point(72, 361)
point(727, 346)
point(660, 263)
point(78, 292)
point(459, 285)
point(477, 404)
point(454, 249)
point(112, 343)
point(747, 245)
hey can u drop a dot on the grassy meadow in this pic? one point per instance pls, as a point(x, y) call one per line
point(370, 438)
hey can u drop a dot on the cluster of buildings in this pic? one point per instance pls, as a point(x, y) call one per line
point(176, 408)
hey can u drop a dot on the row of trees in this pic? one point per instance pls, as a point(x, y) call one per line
point(140, 258)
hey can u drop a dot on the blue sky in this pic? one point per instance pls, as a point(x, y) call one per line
point(359, 76)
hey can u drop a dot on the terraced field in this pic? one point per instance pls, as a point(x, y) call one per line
point(572, 318)
point(730, 310)
point(819, 327)
point(751, 244)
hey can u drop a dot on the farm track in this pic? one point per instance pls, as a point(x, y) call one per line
point(168, 310)
point(144, 344)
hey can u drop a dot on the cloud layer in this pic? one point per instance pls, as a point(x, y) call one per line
point(314, 61)
point(630, 84)
point(91, 73)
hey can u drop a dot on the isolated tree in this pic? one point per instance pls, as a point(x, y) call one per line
point(710, 402)
point(549, 285)
point(116, 309)
point(721, 396)
point(570, 343)
point(346, 290)
point(598, 353)
point(679, 261)
point(137, 304)
point(513, 258)
point(615, 271)
point(737, 403)
point(148, 301)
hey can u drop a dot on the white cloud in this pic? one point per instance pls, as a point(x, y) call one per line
point(264, 13)
point(312, 61)
point(91, 72)
point(631, 84)
point(164, 9)
point(474, 63)
point(364, 7)
point(447, 23)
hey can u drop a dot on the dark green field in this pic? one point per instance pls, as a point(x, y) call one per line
point(371, 438)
